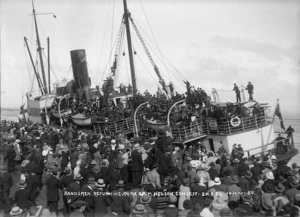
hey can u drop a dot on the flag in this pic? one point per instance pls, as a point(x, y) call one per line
point(279, 115)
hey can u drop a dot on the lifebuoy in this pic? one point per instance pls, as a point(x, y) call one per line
point(235, 122)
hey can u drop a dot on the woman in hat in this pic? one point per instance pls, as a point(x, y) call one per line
point(184, 193)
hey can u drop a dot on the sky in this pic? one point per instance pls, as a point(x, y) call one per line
point(212, 44)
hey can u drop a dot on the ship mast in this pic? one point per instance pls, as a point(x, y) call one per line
point(133, 78)
point(39, 49)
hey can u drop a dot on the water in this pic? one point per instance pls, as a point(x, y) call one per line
point(293, 120)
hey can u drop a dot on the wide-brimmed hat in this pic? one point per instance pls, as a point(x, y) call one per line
point(235, 160)
point(21, 184)
point(248, 174)
point(217, 181)
point(267, 204)
point(294, 183)
point(145, 199)
point(15, 211)
point(78, 203)
point(281, 179)
point(279, 187)
point(291, 172)
point(247, 198)
point(139, 208)
point(78, 177)
point(96, 169)
point(120, 183)
point(136, 146)
point(270, 175)
point(234, 179)
point(100, 183)
point(268, 188)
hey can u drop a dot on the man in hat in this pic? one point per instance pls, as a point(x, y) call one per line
point(171, 210)
point(10, 157)
point(22, 196)
point(37, 159)
point(88, 190)
point(114, 177)
point(70, 132)
point(120, 204)
point(247, 204)
point(6, 182)
point(207, 208)
point(53, 184)
point(74, 187)
point(16, 212)
point(290, 193)
point(102, 201)
point(233, 189)
point(145, 200)
point(78, 208)
point(66, 181)
point(250, 89)
point(289, 131)
point(137, 166)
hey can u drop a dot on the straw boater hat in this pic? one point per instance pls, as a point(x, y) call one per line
point(113, 141)
point(145, 199)
point(15, 211)
point(234, 179)
point(78, 177)
point(22, 184)
point(100, 183)
point(270, 175)
point(93, 162)
point(217, 181)
point(120, 183)
point(194, 163)
point(136, 146)
point(139, 208)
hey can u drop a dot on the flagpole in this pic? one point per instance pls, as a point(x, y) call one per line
point(272, 126)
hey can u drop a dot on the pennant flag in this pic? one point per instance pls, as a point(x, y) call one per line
point(279, 115)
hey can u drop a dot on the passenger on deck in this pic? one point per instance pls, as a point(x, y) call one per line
point(289, 131)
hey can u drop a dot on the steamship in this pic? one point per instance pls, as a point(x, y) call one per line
point(255, 131)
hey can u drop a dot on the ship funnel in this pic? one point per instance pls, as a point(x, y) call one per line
point(80, 74)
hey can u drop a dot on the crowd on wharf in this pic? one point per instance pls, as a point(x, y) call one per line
point(118, 176)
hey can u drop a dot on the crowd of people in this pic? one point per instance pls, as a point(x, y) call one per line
point(118, 176)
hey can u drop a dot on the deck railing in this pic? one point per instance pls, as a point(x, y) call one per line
point(225, 126)
point(276, 147)
point(123, 126)
point(188, 132)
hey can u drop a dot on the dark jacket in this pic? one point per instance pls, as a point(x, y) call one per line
point(22, 198)
point(67, 180)
point(244, 184)
point(101, 203)
point(89, 198)
point(32, 186)
point(10, 154)
point(73, 187)
point(53, 185)
point(137, 161)
point(120, 204)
